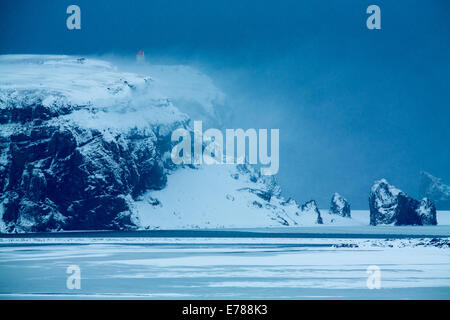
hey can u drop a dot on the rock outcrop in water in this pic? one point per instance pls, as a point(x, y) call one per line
point(434, 189)
point(389, 205)
point(340, 206)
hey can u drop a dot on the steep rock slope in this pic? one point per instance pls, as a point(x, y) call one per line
point(75, 147)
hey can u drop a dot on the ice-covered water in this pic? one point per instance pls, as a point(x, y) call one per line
point(222, 268)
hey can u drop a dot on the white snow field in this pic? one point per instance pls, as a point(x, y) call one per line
point(310, 262)
point(217, 196)
point(208, 197)
point(320, 262)
point(223, 268)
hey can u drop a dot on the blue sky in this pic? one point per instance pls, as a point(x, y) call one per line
point(353, 105)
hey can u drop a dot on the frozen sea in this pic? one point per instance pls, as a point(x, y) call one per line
point(284, 263)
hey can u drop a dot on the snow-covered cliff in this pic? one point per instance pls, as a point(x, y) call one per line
point(84, 146)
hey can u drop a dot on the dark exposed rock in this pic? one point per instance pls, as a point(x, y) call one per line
point(427, 212)
point(389, 205)
point(311, 207)
point(319, 219)
point(383, 203)
point(229, 197)
point(68, 177)
point(153, 201)
point(340, 206)
point(346, 245)
point(405, 212)
point(435, 190)
point(56, 174)
point(263, 194)
point(437, 242)
point(257, 204)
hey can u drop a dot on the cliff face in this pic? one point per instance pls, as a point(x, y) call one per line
point(68, 158)
point(68, 177)
point(85, 147)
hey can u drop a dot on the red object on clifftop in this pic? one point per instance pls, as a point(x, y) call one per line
point(140, 57)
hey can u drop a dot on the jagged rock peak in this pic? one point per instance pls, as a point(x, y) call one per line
point(339, 205)
point(391, 206)
point(311, 207)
